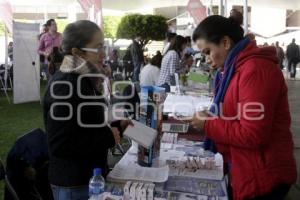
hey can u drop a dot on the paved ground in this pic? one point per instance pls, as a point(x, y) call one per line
point(294, 100)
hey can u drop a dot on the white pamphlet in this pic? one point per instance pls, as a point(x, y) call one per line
point(141, 134)
point(122, 173)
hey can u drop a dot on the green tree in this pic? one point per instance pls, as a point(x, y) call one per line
point(61, 24)
point(111, 24)
point(148, 27)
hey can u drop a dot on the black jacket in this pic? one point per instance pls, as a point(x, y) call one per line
point(293, 52)
point(136, 52)
point(74, 150)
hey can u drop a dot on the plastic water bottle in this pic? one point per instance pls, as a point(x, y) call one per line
point(97, 184)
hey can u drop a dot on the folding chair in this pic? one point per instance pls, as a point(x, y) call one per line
point(3, 82)
point(27, 167)
point(3, 176)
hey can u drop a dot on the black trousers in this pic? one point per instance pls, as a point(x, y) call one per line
point(278, 193)
point(292, 65)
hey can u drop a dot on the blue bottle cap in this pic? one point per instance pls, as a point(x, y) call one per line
point(97, 172)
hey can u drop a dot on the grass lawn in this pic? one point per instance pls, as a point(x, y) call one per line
point(16, 120)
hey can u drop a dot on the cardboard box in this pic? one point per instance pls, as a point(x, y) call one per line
point(152, 99)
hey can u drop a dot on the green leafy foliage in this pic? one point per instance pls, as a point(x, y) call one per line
point(111, 24)
point(149, 27)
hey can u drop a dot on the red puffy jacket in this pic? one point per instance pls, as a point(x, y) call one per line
point(260, 151)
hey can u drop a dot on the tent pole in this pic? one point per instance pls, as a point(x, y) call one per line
point(225, 8)
point(6, 64)
point(45, 14)
point(221, 7)
point(246, 16)
point(211, 7)
point(6, 56)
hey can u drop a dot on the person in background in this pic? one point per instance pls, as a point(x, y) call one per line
point(78, 137)
point(280, 55)
point(249, 122)
point(171, 62)
point(43, 66)
point(265, 44)
point(44, 30)
point(55, 59)
point(137, 57)
point(114, 56)
point(293, 57)
point(48, 41)
point(170, 39)
point(10, 51)
point(114, 60)
point(237, 16)
point(150, 73)
point(187, 62)
point(188, 50)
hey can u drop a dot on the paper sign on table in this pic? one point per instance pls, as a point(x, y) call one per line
point(141, 134)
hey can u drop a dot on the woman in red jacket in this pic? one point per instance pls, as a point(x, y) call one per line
point(249, 122)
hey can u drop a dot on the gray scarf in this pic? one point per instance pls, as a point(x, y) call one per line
point(77, 65)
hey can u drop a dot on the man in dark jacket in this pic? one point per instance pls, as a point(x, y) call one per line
point(137, 55)
point(293, 56)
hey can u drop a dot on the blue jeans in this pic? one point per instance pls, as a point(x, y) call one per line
point(72, 193)
point(45, 69)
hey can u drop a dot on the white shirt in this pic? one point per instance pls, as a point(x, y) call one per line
point(149, 75)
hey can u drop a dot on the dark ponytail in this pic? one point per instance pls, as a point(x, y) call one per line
point(177, 44)
point(215, 27)
point(78, 35)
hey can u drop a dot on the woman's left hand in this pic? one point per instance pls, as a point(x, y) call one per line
point(125, 123)
point(199, 119)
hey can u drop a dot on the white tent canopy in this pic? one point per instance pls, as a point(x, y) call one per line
point(127, 5)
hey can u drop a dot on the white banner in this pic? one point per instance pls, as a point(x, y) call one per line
point(26, 64)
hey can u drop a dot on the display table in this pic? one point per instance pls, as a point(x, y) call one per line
point(170, 151)
point(183, 170)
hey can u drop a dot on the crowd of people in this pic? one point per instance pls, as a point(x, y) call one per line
point(291, 56)
point(176, 51)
